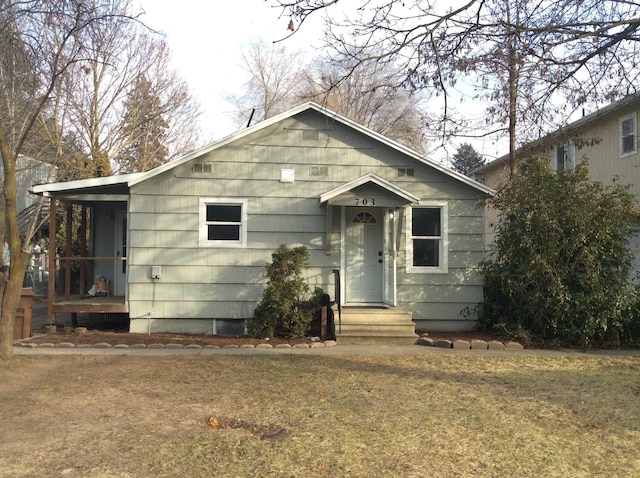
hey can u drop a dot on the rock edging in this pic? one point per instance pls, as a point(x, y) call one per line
point(171, 346)
point(469, 345)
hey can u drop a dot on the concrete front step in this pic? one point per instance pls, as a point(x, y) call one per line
point(375, 326)
point(360, 314)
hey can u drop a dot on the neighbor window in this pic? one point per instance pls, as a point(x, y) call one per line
point(628, 141)
point(565, 157)
point(427, 239)
point(223, 222)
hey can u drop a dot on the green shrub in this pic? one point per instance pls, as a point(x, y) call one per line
point(285, 309)
point(560, 274)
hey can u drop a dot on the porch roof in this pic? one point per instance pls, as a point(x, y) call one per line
point(332, 196)
point(103, 188)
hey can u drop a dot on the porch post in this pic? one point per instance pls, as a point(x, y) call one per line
point(51, 285)
point(67, 263)
point(83, 249)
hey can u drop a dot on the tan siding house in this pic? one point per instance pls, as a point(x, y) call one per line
point(607, 139)
point(387, 229)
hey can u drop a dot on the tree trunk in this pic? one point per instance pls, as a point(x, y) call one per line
point(11, 286)
point(10, 292)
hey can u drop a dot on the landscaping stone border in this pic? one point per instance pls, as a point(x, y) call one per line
point(469, 345)
point(104, 345)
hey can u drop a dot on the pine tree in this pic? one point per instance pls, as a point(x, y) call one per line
point(146, 126)
point(467, 159)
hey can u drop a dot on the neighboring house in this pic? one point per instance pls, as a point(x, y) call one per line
point(30, 171)
point(394, 237)
point(607, 139)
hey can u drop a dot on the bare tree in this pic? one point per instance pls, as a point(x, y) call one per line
point(368, 94)
point(273, 86)
point(533, 62)
point(41, 41)
point(98, 107)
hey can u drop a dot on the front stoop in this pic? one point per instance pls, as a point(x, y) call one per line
point(375, 326)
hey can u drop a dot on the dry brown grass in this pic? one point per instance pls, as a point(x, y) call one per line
point(293, 415)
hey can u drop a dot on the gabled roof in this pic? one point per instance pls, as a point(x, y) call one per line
point(597, 115)
point(132, 179)
point(373, 179)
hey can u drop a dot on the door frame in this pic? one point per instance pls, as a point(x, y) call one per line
point(119, 286)
point(388, 292)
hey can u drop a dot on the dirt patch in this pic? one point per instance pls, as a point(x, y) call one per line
point(264, 432)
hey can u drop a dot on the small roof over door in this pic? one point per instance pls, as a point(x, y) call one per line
point(369, 190)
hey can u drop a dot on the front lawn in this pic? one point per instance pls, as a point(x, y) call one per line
point(295, 415)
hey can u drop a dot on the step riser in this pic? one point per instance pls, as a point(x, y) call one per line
point(374, 318)
point(389, 328)
point(381, 340)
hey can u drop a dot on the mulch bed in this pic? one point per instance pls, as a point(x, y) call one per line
point(115, 337)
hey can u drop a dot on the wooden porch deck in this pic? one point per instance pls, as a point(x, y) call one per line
point(88, 304)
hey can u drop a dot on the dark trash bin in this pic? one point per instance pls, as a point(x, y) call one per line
point(323, 324)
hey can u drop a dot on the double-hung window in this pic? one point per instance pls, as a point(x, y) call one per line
point(427, 238)
point(628, 135)
point(565, 157)
point(223, 222)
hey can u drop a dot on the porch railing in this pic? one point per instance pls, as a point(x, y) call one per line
point(336, 294)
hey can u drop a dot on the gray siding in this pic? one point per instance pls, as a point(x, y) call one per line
point(226, 283)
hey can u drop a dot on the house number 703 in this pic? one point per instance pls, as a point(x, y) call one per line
point(365, 201)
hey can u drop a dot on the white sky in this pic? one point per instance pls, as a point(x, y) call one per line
point(206, 40)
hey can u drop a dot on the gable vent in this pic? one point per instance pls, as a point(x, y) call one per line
point(309, 135)
point(202, 168)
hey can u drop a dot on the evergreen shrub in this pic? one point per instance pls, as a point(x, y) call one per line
point(286, 308)
point(561, 266)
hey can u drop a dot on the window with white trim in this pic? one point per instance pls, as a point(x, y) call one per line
point(628, 135)
point(223, 222)
point(565, 157)
point(427, 240)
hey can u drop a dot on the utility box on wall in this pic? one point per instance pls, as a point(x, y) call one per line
point(156, 272)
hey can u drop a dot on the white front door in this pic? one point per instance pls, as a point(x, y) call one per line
point(120, 273)
point(364, 255)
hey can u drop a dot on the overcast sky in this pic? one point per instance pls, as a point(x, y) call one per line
point(206, 40)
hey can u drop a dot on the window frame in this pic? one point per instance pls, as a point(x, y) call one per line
point(569, 154)
point(634, 134)
point(203, 224)
point(443, 238)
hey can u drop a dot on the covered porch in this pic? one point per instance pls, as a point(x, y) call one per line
point(94, 244)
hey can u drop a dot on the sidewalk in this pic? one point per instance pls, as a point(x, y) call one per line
point(334, 350)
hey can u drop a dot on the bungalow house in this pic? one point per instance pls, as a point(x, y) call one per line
point(606, 138)
point(394, 237)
